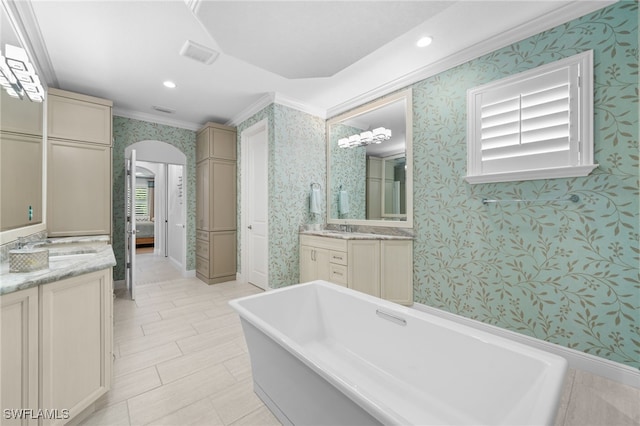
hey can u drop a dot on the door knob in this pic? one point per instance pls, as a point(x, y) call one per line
point(250, 227)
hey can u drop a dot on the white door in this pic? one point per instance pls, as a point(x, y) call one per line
point(130, 214)
point(255, 190)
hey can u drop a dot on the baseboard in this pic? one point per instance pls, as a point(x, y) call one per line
point(577, 360)
point(191, 273)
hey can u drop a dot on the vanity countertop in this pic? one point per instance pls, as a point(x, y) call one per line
point(68, 257)
point(354, 235)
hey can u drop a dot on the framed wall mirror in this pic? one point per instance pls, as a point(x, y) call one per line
point(370, 164)
point(21, 151)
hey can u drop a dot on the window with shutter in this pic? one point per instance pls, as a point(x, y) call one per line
point(533, 125)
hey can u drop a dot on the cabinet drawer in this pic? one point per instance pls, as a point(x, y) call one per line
point(202, 266)
point(339, 257)
point(338, 274)
point(202, 248)
point(202, 235)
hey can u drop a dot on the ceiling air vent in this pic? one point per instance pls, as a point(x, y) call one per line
point(164, 109)
point(198, 52)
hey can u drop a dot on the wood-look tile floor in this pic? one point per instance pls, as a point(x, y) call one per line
point(181, 359)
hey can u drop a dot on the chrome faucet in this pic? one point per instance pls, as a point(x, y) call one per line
point(346, 228)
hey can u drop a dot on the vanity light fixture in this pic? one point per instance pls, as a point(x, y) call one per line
point(18, 76)
point(368, 137)
point(424, 41)
point(170, 84)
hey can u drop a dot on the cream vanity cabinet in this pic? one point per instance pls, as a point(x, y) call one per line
point(379, 267)
point(216, 203)
point(323, 259)
point(19, 352)
point(79, 144)
point(20, 161)
point(56, 350)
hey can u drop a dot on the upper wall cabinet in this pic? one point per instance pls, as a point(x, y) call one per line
point(78, 165)
point(78, 117)
point(216, 140)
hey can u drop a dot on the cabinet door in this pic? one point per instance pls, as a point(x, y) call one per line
point(397, 271)
point(20, 180)
point(79, 189)
point(222, 144)
point(19, 353)
point(202, 196)
point(307, 265)
point(222, 250)
point(78, 120)
point(314, 264)
point(222, 195)
point(363, 268)
point(76, 341)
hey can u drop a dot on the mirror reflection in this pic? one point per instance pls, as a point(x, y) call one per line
point(21, 146)
point(369, 163)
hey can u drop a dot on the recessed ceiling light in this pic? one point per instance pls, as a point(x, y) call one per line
point(424, 41)
point(169, 84)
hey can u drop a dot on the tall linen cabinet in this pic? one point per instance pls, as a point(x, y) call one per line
point(79, 144)
point(216, 203)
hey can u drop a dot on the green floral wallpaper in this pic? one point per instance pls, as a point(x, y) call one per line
point(562, 272)
point(297, 157)
point(127, 131)
point(349, 171)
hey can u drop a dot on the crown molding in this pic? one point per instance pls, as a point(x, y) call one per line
point(26, 23)
point(263, 102)
point(275, 98)
point(300, 106)
point(570, 11)
point(136, 115)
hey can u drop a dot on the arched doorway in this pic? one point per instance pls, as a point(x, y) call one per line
point(170, 207)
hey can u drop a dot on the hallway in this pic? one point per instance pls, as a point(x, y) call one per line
point(180, 355)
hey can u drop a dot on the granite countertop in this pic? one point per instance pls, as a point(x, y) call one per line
point(354, 235)
point(68, 257)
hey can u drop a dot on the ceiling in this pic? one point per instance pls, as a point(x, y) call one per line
point(321, 56)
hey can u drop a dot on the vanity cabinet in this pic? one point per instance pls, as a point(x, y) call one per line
point(56, 346)
point(323, 259)
point(379, 267)
point(79, 175)
point(76, 342)
point(216, 203)
point(19, 353)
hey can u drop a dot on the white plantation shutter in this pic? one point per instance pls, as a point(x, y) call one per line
point(531, 122)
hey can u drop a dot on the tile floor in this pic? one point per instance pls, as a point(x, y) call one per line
point(181, 359)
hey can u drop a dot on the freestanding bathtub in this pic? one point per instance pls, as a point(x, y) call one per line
point(327, 355)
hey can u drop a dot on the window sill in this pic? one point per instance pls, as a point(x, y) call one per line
point(555, 173)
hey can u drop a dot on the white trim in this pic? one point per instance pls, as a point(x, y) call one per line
point(264, 101)
point(120, 112)
point(275, 98)
point(577, 360)
point(299, 105)
point(558, 172)
point(572, 10)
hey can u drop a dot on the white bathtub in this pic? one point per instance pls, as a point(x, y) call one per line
point(323, 354)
